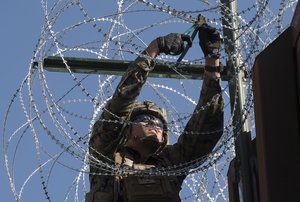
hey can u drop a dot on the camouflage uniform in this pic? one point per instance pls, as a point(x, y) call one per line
point(106, 137)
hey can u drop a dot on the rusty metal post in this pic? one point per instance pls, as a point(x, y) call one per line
point(238, 87)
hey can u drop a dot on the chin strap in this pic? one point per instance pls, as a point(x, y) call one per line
point(152, 142)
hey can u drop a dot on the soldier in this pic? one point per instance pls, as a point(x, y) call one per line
point(142, 144)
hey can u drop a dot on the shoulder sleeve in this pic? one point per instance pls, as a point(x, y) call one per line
point(107, 130)
point(204, 128)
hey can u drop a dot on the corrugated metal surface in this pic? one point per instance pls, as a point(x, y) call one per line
point(277, 116)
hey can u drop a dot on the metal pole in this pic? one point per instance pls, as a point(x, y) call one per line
point(118, 67)
point(237, 88)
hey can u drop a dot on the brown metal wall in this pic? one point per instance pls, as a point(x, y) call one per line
point(276, 86)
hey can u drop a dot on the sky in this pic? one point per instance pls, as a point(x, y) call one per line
point(20, 29)
point(21, 23)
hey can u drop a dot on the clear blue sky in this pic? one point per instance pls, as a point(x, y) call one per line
point(21, 23)
point(20, 28)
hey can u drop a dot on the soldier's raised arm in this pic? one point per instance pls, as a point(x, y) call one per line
point(107, 131)
point(205, 126)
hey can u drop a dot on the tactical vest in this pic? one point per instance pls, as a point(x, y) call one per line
point(139, 189)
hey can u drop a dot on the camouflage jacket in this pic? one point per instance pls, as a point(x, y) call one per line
point(107, 135)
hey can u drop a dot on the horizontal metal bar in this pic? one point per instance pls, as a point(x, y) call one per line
point(118, 67)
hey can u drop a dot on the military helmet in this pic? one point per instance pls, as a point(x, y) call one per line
point(149, 107)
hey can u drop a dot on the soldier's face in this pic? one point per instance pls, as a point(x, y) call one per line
point(145, 126)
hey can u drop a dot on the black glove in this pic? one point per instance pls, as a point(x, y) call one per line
point(173, 44)
point(209, 41)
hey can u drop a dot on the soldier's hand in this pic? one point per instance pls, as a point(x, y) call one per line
point(210, 41)
point(173, 44)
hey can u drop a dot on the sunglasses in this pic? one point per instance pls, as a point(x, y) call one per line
point(150, 120)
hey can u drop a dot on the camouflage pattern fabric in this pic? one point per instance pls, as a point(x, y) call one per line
point(106, 136)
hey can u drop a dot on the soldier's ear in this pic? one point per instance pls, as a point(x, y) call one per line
point(163, 139)
point(128, 132)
